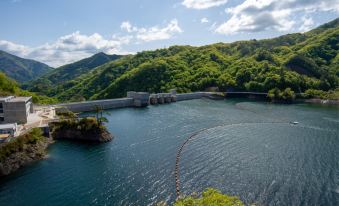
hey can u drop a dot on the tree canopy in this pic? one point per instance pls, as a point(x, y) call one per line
point(210, 197)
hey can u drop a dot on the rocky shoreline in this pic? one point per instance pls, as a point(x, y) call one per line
point(98, 135)
point(322, 101)
point(32, 146)
point(26, 155)
point(83, 129)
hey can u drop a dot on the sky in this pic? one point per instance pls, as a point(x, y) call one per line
point(57, 32)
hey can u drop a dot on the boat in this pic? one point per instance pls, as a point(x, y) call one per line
point(294, 123)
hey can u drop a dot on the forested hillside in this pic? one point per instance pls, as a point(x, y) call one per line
point(10, 87)
point(21, 69)
point(68, 72)
point(307, 61)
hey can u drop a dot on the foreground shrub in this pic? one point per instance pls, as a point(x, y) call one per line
point(210, 197)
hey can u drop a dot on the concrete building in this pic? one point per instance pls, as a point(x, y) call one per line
point(15, 109)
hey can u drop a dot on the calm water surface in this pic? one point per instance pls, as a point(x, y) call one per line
point(250, 151)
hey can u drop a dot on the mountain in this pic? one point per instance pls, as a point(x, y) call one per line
point(68, 72)
point(9, 87)
point(300, 61)
point(21, 69)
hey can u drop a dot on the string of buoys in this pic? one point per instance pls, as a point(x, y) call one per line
point(276, 120)
point(178, 156)
point(177, 180)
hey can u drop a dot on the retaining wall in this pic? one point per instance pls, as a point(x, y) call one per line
point(90, 105)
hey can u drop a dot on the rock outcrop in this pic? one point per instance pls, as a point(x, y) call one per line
point(87, 129)
point(24, 156)
point(95, 135)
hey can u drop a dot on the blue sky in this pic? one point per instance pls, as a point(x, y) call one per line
point(62, 31)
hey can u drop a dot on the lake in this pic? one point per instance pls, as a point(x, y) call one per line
point(250, 150)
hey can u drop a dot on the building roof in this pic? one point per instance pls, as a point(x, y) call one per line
point(7, 126)
point(20, 99)
point(15, 99)
point(4, 99)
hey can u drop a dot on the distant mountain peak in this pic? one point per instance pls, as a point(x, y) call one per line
point(21, 69)
point(100, 53)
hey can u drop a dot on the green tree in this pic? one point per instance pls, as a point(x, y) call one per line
point(99, 115)
point(210, 197)
point(274, 94)
point(286, 95)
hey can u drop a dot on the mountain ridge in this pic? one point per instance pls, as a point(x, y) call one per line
point(300, 61)
point(68, 72)
point(21, 69)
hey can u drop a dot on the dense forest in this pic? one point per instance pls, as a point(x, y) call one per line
point(301, 62)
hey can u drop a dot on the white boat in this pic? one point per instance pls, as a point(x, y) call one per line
point(294, 122)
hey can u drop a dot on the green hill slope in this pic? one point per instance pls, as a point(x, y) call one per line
point(21, 69)
point(298, 61)
point(68, 72)
point(10, 87)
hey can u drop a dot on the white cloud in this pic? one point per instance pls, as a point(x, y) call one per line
point(307, 23)
point(14, 48)
point(127, 26)
point(260, 15)
point(203, 4)
point(204, 20)
point(76, 46)
point(68, 48)
point(153, 33)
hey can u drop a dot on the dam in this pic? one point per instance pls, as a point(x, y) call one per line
point(133, 99)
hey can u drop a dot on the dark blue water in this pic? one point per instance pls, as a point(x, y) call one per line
point(250, 151)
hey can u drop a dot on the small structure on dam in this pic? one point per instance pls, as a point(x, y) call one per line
point(173, 93)
point(153, 99)
point(140, 99)
point(162, 98)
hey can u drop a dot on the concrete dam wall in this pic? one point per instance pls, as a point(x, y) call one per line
point(189, 96)
point(133, 99)
point(143, 99)
point(88, 106)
